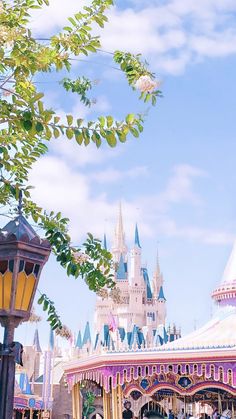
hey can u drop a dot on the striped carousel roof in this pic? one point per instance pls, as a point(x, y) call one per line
point(217, 333)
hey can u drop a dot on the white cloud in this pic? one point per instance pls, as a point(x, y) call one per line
point(55, 15)
point(111, 175)
point(59, 186)
point(180, 185)
point(171, 34)
point(170, 228)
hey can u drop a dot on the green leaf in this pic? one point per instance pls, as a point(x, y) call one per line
point(69, 133)
point(122, 136)
point(56, 119)
point(130, 118)
point(56, 132)
point(111, 139)
point(102, 121)
point(79, 122)
point(41, 299)
point(68, 29)
point(79, 137)
point(72, 21)
point(39, 127)
point(134, 131)
point(45, 305)
point(27, 124)
point(69, 119)
point(110, 121)
point(40, 106)
point(37, 97)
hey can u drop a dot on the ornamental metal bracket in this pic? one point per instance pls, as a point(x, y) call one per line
point(15, 349)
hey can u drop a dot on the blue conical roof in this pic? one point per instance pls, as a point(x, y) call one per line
point(87, 334)
point(105, 242)
point(136, 237)
point(161, 294)
point(121, 272)
point(79, 341)
point(36, 343)
point(147, 283)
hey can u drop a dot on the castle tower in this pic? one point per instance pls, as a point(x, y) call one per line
point(137, 284)
point(161, 300)
point(225, 294)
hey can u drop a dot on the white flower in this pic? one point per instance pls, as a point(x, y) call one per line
point(6, 93)
point(80, 257)
point(1, 7)
point(3, 32)
point(146, 84)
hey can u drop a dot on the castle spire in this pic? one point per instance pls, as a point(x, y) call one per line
point(87, 335)
point(157, 281)
point(158, 269)
point(119, 246)
point(105, 241)
point(136, 237)
point(36, 343)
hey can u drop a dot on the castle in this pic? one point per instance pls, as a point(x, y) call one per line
point(136, 303)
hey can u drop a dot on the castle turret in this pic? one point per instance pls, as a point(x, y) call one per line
point(79, 341)
point(138, 287)
point(86, 344)
point(135, 261)
point(225, 294)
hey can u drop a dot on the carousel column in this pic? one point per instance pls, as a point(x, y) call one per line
point(120, 401)
point(114, 404)
point(76, 402)
point(106, 405)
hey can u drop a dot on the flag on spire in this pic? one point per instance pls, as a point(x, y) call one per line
point(112, 323)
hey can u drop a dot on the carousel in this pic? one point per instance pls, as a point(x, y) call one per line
point(195, 375)
point(26, 404)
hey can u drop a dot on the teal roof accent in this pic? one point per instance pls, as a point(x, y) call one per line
point(121, 271)
point(87, 334)
point(36, 343)
point(51, 340)
point(136, 237)
point(147, 283)
point(39, 379)
point(161, 294)
point(105, 242)
point(96, 341)
point(79, 341)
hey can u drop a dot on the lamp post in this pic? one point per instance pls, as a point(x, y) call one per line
point(22, 257)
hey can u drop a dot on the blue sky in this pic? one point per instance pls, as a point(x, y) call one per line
point(178, 180)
